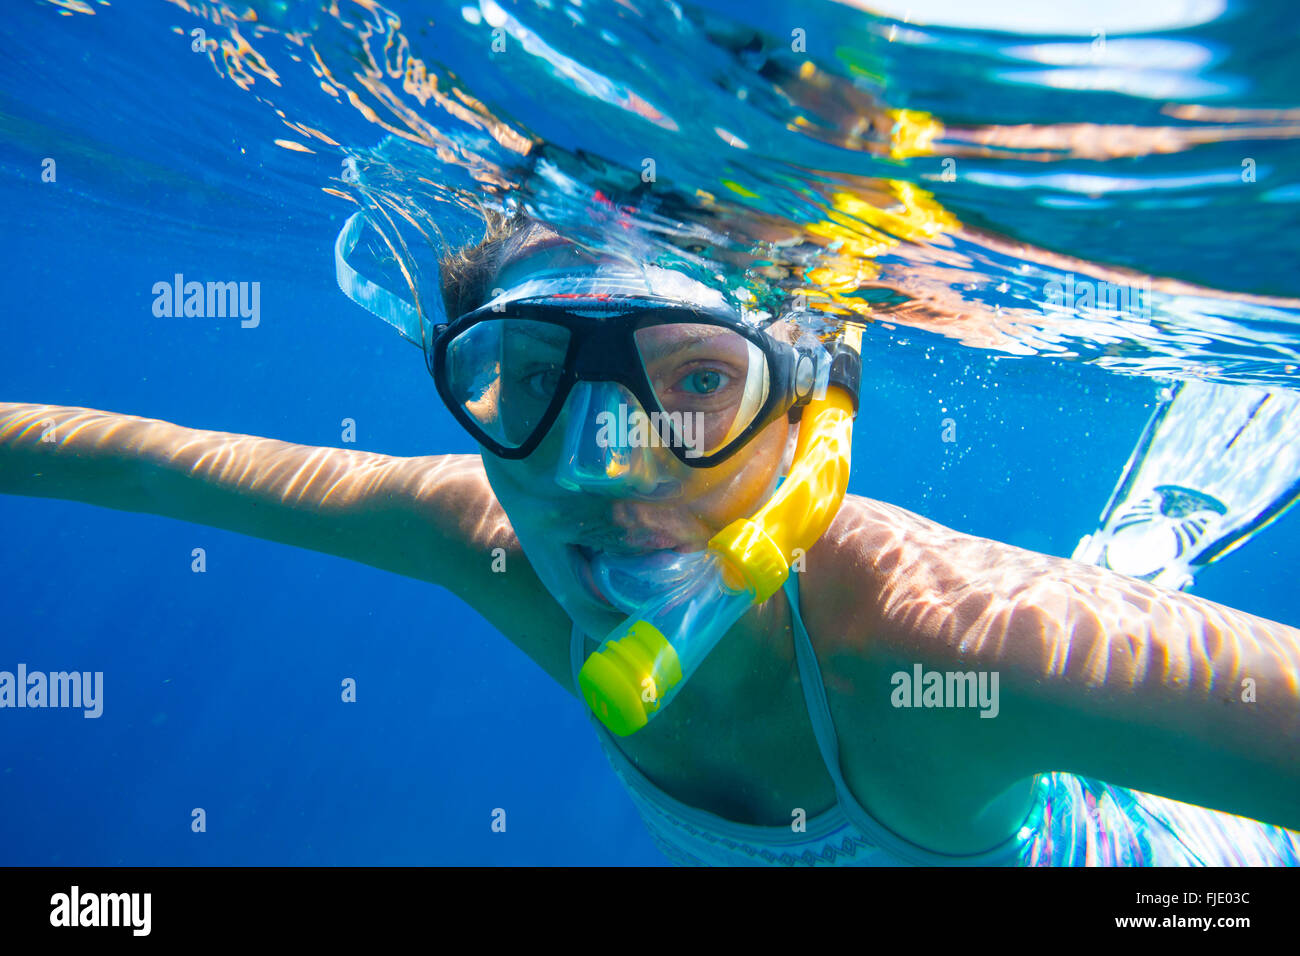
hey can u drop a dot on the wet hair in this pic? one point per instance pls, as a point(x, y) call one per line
point(467, 272)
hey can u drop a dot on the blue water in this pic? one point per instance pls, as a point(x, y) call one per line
point(222, 689)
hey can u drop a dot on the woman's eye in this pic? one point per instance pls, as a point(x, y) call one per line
point(704, 381)
point(542, 384)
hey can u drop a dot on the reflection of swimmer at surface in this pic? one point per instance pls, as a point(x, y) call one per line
point(1099, 674)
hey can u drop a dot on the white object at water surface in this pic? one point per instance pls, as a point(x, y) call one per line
point(1215, 464)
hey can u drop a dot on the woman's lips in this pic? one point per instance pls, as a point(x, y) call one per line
point(580, 558)
point(632, 544)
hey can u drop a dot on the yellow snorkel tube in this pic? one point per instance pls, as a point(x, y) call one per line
point(645, 661)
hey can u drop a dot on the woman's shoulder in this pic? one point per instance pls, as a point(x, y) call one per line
point(874, 559)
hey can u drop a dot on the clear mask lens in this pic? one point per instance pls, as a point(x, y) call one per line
point(505, 373)
point(710, 381)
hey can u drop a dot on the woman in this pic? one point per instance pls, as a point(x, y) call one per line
point(801, 738)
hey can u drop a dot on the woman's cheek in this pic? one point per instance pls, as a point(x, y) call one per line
point(740, 486)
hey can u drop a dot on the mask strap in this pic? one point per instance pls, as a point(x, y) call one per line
point(374, 298)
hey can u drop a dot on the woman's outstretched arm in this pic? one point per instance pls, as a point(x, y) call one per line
point(1100, 674)
point(432, 518)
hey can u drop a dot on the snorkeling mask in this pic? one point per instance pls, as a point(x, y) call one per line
point(706, 381)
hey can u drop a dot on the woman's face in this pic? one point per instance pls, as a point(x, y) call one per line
point(562, 524)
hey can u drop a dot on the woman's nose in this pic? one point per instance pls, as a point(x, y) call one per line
point(612, 447)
